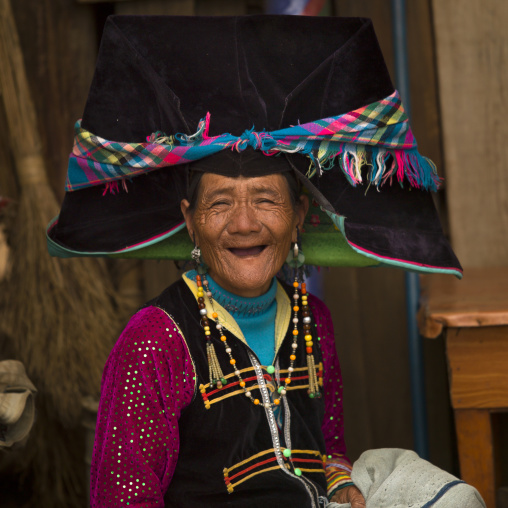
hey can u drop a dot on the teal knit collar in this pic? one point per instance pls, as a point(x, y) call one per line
point(239, 306)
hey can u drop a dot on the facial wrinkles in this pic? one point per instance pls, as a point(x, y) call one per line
point(253, 212)
point(255, 208)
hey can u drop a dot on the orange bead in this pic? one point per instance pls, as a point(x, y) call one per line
point(296, 308)
point(304, 291)
point(198, 283)
point(295, 284)
point(223, 338)
point(198, 277)
point(242, 383)
point(287, 380)
point(232, 361)
point(304, 285)
point(295, 332)
point(292, 357)
point(256, 401)
point(309, 350)
point(276, 402)
point(215, 315)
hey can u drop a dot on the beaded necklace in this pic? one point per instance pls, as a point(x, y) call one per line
point(215, 371)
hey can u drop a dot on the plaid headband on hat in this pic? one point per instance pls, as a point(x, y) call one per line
point(377, 135)
point(343, 125)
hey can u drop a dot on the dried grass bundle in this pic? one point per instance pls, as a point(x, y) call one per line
point(59, 317)
point(60, 314)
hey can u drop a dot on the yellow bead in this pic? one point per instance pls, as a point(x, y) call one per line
point(207, 332)
point(308, 337)
point(295, 332)
point(309, 343)
point(207, 328)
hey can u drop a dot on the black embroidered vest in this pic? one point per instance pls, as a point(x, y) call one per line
point(229, 448)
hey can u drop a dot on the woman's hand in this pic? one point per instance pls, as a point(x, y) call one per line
point(351, 495)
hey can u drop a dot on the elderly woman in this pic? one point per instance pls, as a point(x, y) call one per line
point(225, 390)
point(219, 438)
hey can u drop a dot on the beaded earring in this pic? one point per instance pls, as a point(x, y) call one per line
point(216, 375)
point(296, 260)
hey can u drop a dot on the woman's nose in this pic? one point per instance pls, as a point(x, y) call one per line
point(244, 221)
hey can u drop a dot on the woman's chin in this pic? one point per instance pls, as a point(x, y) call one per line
point(246, 275)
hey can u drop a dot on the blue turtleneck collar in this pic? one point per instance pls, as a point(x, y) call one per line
point(239, 306)
point(255, 316)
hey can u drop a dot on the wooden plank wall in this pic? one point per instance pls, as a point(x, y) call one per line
point(368, 305)
point(472, 56)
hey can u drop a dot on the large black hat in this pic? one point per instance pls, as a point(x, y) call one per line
point(256, 86)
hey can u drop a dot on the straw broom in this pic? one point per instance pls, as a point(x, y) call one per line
point(60, 316)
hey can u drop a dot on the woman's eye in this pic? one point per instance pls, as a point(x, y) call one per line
point(219, 203)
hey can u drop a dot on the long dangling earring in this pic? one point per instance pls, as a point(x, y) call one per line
point(215, 371)
point(296, 260)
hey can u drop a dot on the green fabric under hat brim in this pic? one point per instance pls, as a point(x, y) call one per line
point(324, 243)
point(321, 249)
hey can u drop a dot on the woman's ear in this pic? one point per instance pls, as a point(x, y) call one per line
point(187, 215)
point(301, 212)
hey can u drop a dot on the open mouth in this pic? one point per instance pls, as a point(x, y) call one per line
point(247, 251)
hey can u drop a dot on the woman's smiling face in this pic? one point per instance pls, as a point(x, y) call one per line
point(244, 228)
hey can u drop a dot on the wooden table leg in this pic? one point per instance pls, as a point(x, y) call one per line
point(476, 451)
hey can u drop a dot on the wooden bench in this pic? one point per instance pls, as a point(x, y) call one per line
point(474, 315)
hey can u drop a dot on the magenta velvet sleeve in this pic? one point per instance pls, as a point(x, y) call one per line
point(147, 381)
point(338, 467)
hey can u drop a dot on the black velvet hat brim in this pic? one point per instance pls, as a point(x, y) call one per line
point(268, 72)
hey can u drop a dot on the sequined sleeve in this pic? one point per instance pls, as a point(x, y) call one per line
point(147, 381)
point(338, 467)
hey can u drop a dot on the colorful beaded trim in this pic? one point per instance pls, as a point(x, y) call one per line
point(311, 461)
point(217, 377)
